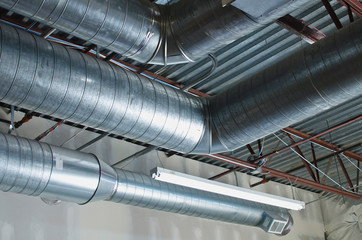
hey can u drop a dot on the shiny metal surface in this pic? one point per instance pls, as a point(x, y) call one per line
point(38, 169)
point(147, 32)
point(25, 165)
point(253, 53)
point(73, 176)
point(128, 27)
point(143, 191)
point(107, 182)
point(51, 79)
point(313, 80)
point(204, 26)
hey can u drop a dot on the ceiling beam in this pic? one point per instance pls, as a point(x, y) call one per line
point(250, 149)
point(344, 170)
point(329, 156)
point(314, 160)
point(301, 156)
point(300, 29)
point(314, 139)
point(323, 143)
point(283, 175)
point(332, 14)
point(354, 5)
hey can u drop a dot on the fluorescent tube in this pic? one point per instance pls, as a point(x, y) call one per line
point(186, 180)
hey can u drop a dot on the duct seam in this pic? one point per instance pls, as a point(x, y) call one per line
point(66, 84)
point(138, 28)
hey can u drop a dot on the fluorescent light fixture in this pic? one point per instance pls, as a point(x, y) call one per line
point(186, 180)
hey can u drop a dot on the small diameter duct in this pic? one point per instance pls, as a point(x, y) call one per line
point(48, 78)
point(182, 32)
point(38, 169)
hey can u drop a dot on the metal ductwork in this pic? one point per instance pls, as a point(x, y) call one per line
point(38, 169)
point(67, 84)
point(319, 77)
point(182, 32)
point(48, 78)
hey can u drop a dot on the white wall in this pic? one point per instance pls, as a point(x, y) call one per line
point(342, 218)
point(23, 217)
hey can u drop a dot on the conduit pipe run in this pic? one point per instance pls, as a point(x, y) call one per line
point(38, 169)
point(182, 32)
point(48, 78)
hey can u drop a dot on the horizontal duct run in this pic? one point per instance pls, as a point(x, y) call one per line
point(38, 169)
point(315, 79)
point(182, 32)
point(50, 79)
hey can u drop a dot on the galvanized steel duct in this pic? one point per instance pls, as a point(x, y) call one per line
point(38, 169)
point(146, 32)
point(45, 77)
point(48, 78)
point(310, 81)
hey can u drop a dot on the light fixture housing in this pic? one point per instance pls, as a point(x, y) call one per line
point(186, 180)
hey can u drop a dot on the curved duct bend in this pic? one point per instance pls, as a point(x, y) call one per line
point(48, 78)
point(137, 29)
point(38, 169)
point(317, 78)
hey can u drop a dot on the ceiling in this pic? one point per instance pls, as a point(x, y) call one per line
point(240, 60)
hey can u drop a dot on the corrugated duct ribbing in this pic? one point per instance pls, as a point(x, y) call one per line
point(146, 32)
point(310, 81)
point(51, 79)
point(33, 168)
point(25, 165)
point(128, 27)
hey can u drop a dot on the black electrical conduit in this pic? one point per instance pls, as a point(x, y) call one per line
point(138, 29)
point(50, 79)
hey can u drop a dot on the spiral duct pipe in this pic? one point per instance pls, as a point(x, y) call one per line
point(310, 81)
point(182, 32)
point(48, 78)
point(38, 169)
